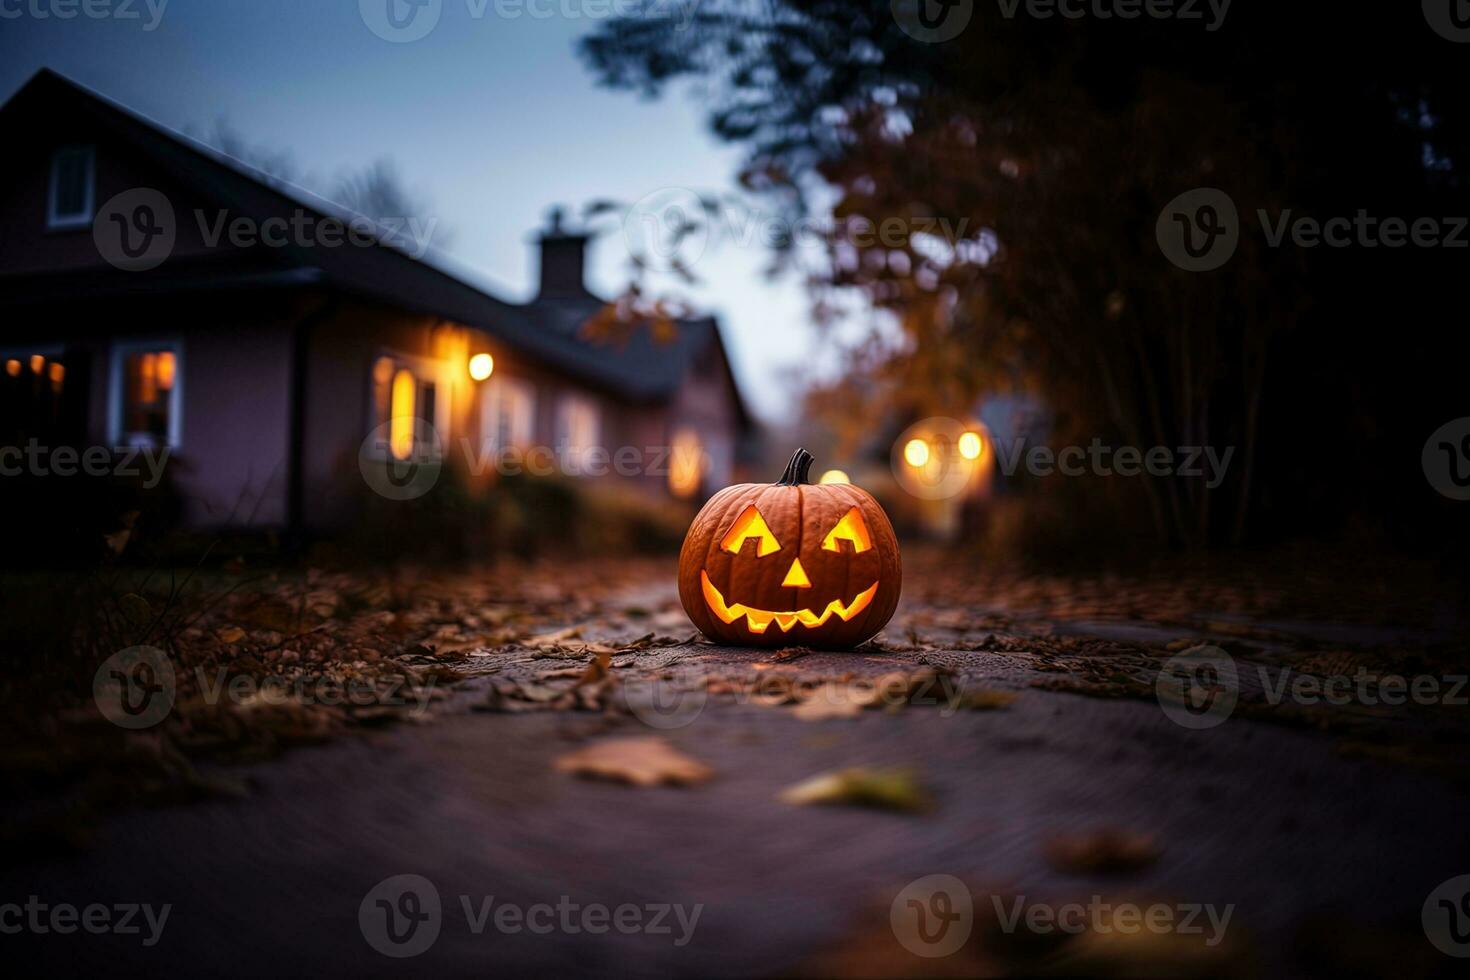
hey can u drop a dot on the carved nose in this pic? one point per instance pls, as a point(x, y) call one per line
point(796, 576)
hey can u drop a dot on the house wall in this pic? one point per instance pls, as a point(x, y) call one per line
point(27, 245)
point(229, 465)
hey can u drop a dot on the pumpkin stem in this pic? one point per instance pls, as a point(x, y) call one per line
point(798, 471)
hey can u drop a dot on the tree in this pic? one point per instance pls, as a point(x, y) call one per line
point(1051, 147)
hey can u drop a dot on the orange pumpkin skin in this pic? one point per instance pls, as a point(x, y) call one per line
point(807, 573)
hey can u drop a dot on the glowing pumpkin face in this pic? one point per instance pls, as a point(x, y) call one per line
point(790, 564)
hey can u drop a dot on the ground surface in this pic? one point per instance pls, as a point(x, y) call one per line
point(1008, 725)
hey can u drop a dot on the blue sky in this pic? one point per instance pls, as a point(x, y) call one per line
point(489, 118)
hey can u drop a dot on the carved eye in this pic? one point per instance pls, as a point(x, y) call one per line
point(750, 524)
point(850, 528)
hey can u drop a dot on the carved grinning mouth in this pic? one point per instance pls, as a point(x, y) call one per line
point(758, 619)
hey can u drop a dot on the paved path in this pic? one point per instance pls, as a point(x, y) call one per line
point(1324, 858)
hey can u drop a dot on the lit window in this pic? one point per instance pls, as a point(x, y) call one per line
point(33, 401)
point(577, 428)
point(404, 394)
point(686, 463)
point(69, 200)
point(508, 413)
point(145, 406)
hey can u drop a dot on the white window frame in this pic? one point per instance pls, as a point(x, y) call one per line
point(59, 222)
point(423, 369)
point(565, 407)
point(497, 393)
point(117, 390)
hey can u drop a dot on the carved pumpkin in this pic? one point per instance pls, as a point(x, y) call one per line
point(790, 564)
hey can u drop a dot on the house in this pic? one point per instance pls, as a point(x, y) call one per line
point(154, 294)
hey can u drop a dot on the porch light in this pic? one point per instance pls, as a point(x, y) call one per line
point(481, 365)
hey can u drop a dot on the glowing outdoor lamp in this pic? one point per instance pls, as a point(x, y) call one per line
point(971, 445)
point(916, 453)
point(481, 365)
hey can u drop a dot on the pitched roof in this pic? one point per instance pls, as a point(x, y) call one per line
point(640, 369)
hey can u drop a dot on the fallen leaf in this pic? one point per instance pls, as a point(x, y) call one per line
point(638, 761)
point(888, 789)
point(231, 635)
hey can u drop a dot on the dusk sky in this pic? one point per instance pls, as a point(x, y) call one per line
point(489, 119)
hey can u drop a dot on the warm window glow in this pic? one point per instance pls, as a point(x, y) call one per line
point(481, 366)
point(12, 367)
point(850, 528)
point(57, 372)
point(400, 415)
point(383, 371)
point(149, 381)
point(916, 452)
point(970, 445)
point(750, 524)
point(686, 463)
point(834, 476)
point(165, 369)
point(37, 362)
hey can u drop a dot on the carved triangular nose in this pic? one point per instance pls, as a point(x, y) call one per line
point(796, 577)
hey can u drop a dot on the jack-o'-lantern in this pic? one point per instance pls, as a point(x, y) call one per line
point(790, 563)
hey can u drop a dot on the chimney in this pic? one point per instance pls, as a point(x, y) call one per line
point(562, 256)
